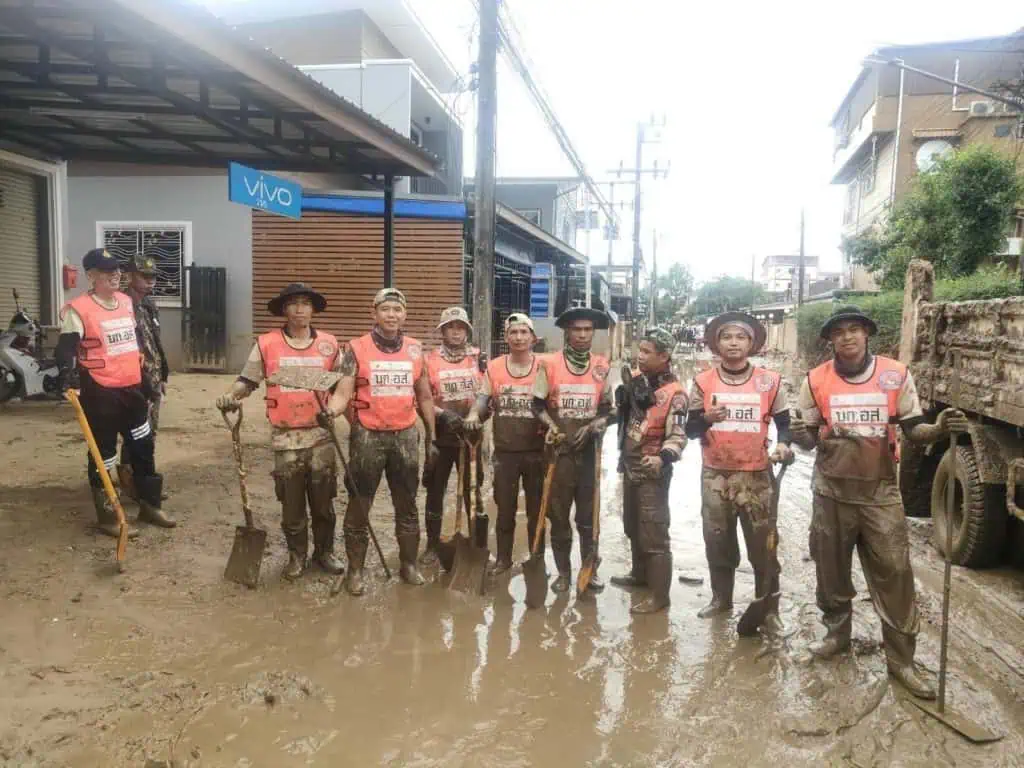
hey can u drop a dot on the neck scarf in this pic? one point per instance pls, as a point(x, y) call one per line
point(454, 354)
point(854, 370)
point(385, 344)
point(578, 361)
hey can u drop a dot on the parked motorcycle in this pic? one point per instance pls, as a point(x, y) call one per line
point(22, 372)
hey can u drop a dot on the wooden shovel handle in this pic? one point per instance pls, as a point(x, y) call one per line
point(236, 444)
point(545, 498)
point(597, 489)
point(459, 495)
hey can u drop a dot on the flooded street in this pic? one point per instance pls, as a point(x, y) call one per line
point(170, 664)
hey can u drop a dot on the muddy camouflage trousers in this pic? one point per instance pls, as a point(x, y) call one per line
point(511, 467)
point(728, 497)
point(436, 483)
point(573, 484)
point(879, 534)
point(645, 512)
point(395, 455)
point(301, 476)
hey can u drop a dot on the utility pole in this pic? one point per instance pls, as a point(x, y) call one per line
point(586, 244)
point(653, 314)
point(484, 189)
point(753, 285)
point(611, 228)
point(800, 270)
point(637, 170)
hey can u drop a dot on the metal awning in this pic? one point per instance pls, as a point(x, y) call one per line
point(166, 82)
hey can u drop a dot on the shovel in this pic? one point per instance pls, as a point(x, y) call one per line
point(247, 552)
point(590, 564)
point(966, 727)
point(101, 469)
point(534, 573)
point(757, 611)
point(447, 548)
point(470, 571)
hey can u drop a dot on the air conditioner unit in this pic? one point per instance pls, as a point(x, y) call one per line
point(983, 107)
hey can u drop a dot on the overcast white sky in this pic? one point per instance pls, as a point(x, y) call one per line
point(747, 92)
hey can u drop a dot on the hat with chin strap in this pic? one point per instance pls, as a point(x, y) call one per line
point(748, 323)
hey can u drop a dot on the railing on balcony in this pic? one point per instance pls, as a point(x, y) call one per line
point(424, 185)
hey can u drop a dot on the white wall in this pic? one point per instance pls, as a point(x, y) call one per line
point(384, 90)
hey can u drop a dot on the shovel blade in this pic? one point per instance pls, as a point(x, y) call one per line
point(753, 617)
point(585, 575)
point(469, 573)
point(536, 577)
point(446, 551)
point(966, 727)
point(246, 556)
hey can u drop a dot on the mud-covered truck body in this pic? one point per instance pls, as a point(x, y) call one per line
point(968, 355)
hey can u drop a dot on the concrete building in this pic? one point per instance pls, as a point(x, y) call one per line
point(546, 202)
point(876, 155)
point(779, 273)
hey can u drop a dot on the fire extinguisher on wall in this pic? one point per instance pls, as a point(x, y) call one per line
point(70, 274)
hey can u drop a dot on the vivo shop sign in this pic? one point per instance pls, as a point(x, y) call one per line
point(257, 189)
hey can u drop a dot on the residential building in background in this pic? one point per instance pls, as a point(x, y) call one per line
point(876, 157)
point(546, 202)
point(779, 273)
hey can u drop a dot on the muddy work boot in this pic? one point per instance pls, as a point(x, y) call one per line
point(296, 566)
point(328, 562)
point(659, 576)
point(106, 517)
point(722, 580)
point(150, 491)
point(773, 626)
point(637, 576)
point(503, 557)
point(563, 581)
point(355, 550)
point(433, 526)
point(908, 676)
point(408, 546)
point(838, 629)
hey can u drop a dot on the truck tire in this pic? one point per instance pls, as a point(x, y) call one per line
point(980, 522)
point(917, 474)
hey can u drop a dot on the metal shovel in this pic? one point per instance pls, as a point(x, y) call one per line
point(247, 552)
point(470, 571)
point(447, 548)
point(966, 727)
point(534, 573)
point(757, 611)
point(590, 564)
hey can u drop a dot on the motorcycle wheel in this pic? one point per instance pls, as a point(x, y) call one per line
point(8, 390)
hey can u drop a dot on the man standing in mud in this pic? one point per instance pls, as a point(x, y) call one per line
point(383, 383)
point(572, 398)
point(849, 407)
point(507, 391)
point(731, 406)
point(98, 351)
point(454, 373)
point(304, 457)
point(655, 404)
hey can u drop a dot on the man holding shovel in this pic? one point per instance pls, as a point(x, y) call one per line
point(507, 391)
point(304, 457)
point(454, 373)
point(385, 382)
point(731, 406)
point(849, 407)
point(654, 441)
point(572, 398)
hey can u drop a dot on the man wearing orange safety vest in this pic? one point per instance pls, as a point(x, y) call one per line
point(731, 406)
point(454, 373)
point(384, 382)
point(850, 407)
point(98, 351)
point(304, 456)
point(571, 396)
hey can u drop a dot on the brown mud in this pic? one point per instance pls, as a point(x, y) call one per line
point(168, 664)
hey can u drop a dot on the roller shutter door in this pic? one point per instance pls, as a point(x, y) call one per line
point(19, 243)
point(342, 257)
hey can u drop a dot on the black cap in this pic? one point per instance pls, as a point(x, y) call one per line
point(847, 314)
point(100, 258)
point(276, 305)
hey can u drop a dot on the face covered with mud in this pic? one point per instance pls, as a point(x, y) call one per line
point(850, 341)
point(734, 345)
point(580, 335)
point(389, 316)
point(650, 359)
point(520, 338)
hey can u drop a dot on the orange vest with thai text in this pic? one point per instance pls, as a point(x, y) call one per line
point(109, 350)
point(740, 442)
point(385, 398)
point(454, 385)
point(287, 407)
point(573, 398)
point(516, 428)
point(647, 429)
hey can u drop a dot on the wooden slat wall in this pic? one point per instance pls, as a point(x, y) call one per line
point(19, 244)
point(342, 257)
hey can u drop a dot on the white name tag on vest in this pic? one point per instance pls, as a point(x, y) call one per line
point(299, 362)
point(744, 412)
point(390, 378)
point(514, 401)
point(577, 401)
point(119, 336)
point(865, 413)
point(457, 384)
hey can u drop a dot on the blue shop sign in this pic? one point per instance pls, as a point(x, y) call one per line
point(257, 189)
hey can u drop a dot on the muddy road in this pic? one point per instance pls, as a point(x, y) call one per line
point(169, 665)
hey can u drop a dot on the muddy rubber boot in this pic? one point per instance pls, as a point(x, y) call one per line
point(659, 576)
point(126, 480)
point(838, 629)
point(296, 566)
point(355, 550)
point(408, 546)
point(328, 562)
point(106, 517)
point(637, 576)
point(722, 580)
point(323, 545)
point(772, 626)
point(563, 581)
point(503, 559)
point(908, 676)
point(433, 526)
point(150, 490)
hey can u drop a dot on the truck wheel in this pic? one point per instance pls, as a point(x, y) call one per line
point(917, 473)
point(979, 518)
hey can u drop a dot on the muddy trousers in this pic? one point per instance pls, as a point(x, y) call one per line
point(728, 497)
point(154, 426)
point(436, 483)
point(510, 469)
point(395, 455)
point(307, 475)
point(645, 514)
point(880, 535)
point(573, 484)
point(113, 412)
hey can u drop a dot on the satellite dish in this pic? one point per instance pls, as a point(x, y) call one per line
point(931, 151)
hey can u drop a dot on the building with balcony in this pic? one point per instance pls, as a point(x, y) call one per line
point(780, 273)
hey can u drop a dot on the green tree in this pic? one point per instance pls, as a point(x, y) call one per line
point(673, 292)
point(724, 294)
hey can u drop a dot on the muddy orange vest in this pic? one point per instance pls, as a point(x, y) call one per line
point(647, 430)
point(287, 407)
point(108, 349)
point(868, 411)
point(385, 398)
point(573, 398)
point(739, 443)
point(516, 428)
point(454, 385)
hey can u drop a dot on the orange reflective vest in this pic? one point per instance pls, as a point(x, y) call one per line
point(287, 407)
point(454, 385)
point(739, 443)
point(573, 398)
point(108, 350)
point(647, 430)
point(867, 412)
point(516, 428)
point(385, 397)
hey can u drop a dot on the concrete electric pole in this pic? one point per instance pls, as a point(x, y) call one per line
point(800, 270)
point(484, 189)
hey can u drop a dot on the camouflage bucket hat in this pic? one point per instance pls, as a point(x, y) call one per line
point(455, 315)
point(144, 265)
point(662, 339)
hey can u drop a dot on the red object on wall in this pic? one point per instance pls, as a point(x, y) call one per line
point(70, 276)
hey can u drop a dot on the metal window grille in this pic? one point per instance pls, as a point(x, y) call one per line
point(511, 294)
point(166, 245)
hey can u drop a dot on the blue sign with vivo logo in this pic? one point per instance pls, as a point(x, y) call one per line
point(257, 189)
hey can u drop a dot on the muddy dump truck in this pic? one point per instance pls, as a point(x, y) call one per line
point(968, 355)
